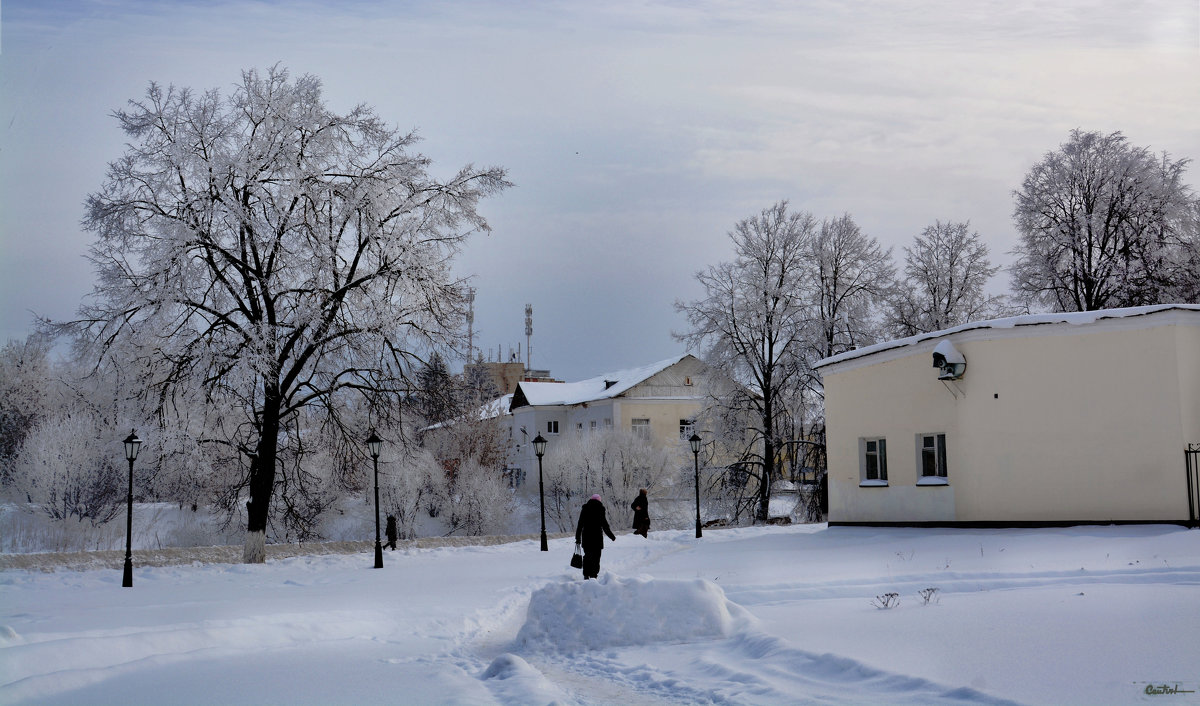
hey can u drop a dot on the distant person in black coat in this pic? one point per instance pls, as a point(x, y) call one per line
point(391, 532)
point(641, 513)
point(589, 532)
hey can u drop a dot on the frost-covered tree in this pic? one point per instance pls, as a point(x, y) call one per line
point(848, 280)
point(67, 467)
point(946, 272)
point(474, 435)
point(480, 500)
point(25, 376)
point(436, 395)
point(275, 254)
point(478, 386)
point(753, 325)
point(410, 483)
point(1103, 224)
point(612, 463)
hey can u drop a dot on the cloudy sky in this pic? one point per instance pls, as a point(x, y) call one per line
point(637, 132)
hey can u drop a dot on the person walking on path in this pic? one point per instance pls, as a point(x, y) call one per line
point(641, 513)
point(391, 532)
point(589, 532)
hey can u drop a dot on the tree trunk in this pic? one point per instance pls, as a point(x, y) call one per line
point(262, 480)
point(768, 466)
point(764, 486)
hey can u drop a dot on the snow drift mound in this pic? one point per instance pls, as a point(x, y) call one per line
point(614, 612)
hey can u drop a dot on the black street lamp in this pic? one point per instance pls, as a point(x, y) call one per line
point(374, 445)
point(539, 448)
point(132, 445)
point(694, 440)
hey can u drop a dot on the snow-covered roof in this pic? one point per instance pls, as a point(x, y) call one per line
point(496, 408)
point(488, 410)
point(601, 387)
point(1074, 318)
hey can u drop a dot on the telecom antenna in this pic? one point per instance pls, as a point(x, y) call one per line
point(470, 325)
point(528, 335)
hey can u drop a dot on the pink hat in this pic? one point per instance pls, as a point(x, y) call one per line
point(595, 497)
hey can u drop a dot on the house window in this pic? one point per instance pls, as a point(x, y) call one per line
point(687, 427)
point(641, 428)
point(593, 426)
point(932, 449)
point(608, 423)
point(873, 457)
point(552, 427)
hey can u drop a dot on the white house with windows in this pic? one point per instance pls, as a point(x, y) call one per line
point(1034, 420)
point(658, 402)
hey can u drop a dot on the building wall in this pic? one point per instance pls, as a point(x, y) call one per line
point(665, 398)
point(1068, 423)
point(1188, 359)
point(504, 376)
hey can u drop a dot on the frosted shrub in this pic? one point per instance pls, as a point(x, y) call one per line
point(69, 469)
point(615, 464)
point(409, 485)
point(480, 501)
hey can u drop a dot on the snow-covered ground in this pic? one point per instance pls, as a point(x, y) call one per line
point(765, 615)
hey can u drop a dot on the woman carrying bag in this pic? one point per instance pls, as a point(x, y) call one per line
point(589, 532)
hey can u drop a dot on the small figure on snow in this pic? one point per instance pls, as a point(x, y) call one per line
point(391, 532)
point(641, 513)
point(589, 532)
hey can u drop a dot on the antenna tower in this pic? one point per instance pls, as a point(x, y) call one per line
point(528, 335)
point(470, 325)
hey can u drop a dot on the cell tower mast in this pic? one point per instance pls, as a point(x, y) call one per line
point(470, 325)
point(528, 335)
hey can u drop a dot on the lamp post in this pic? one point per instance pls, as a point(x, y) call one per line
point(374, 445)
point(694, 441)
point(132, 445)
point(539, 448)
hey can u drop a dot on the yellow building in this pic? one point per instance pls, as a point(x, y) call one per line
point(1034, 420)
point(659, 402)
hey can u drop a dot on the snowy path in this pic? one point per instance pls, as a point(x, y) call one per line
point(748, 616)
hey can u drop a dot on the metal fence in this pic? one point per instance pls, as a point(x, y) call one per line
point(1191, 457)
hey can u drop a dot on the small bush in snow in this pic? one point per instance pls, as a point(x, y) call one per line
point(887, 600)
point(928, 595)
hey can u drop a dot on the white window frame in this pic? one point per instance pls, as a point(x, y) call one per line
point(879, 451)
point(640, 426)
point(552, 426)
point(687, 427)
point(934, 453)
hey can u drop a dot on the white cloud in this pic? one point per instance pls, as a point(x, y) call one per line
point(637, 133)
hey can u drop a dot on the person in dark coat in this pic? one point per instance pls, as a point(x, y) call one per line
point(589, 532)
point(391, 532)
point(641, 513)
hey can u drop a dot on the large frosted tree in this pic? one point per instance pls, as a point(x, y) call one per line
point(849, 277)
point(946, 272)
point(277, 255)
point(1103, 224)
point(752, 325)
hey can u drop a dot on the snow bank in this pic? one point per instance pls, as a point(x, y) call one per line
point(511, 680)
point(614, 612)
